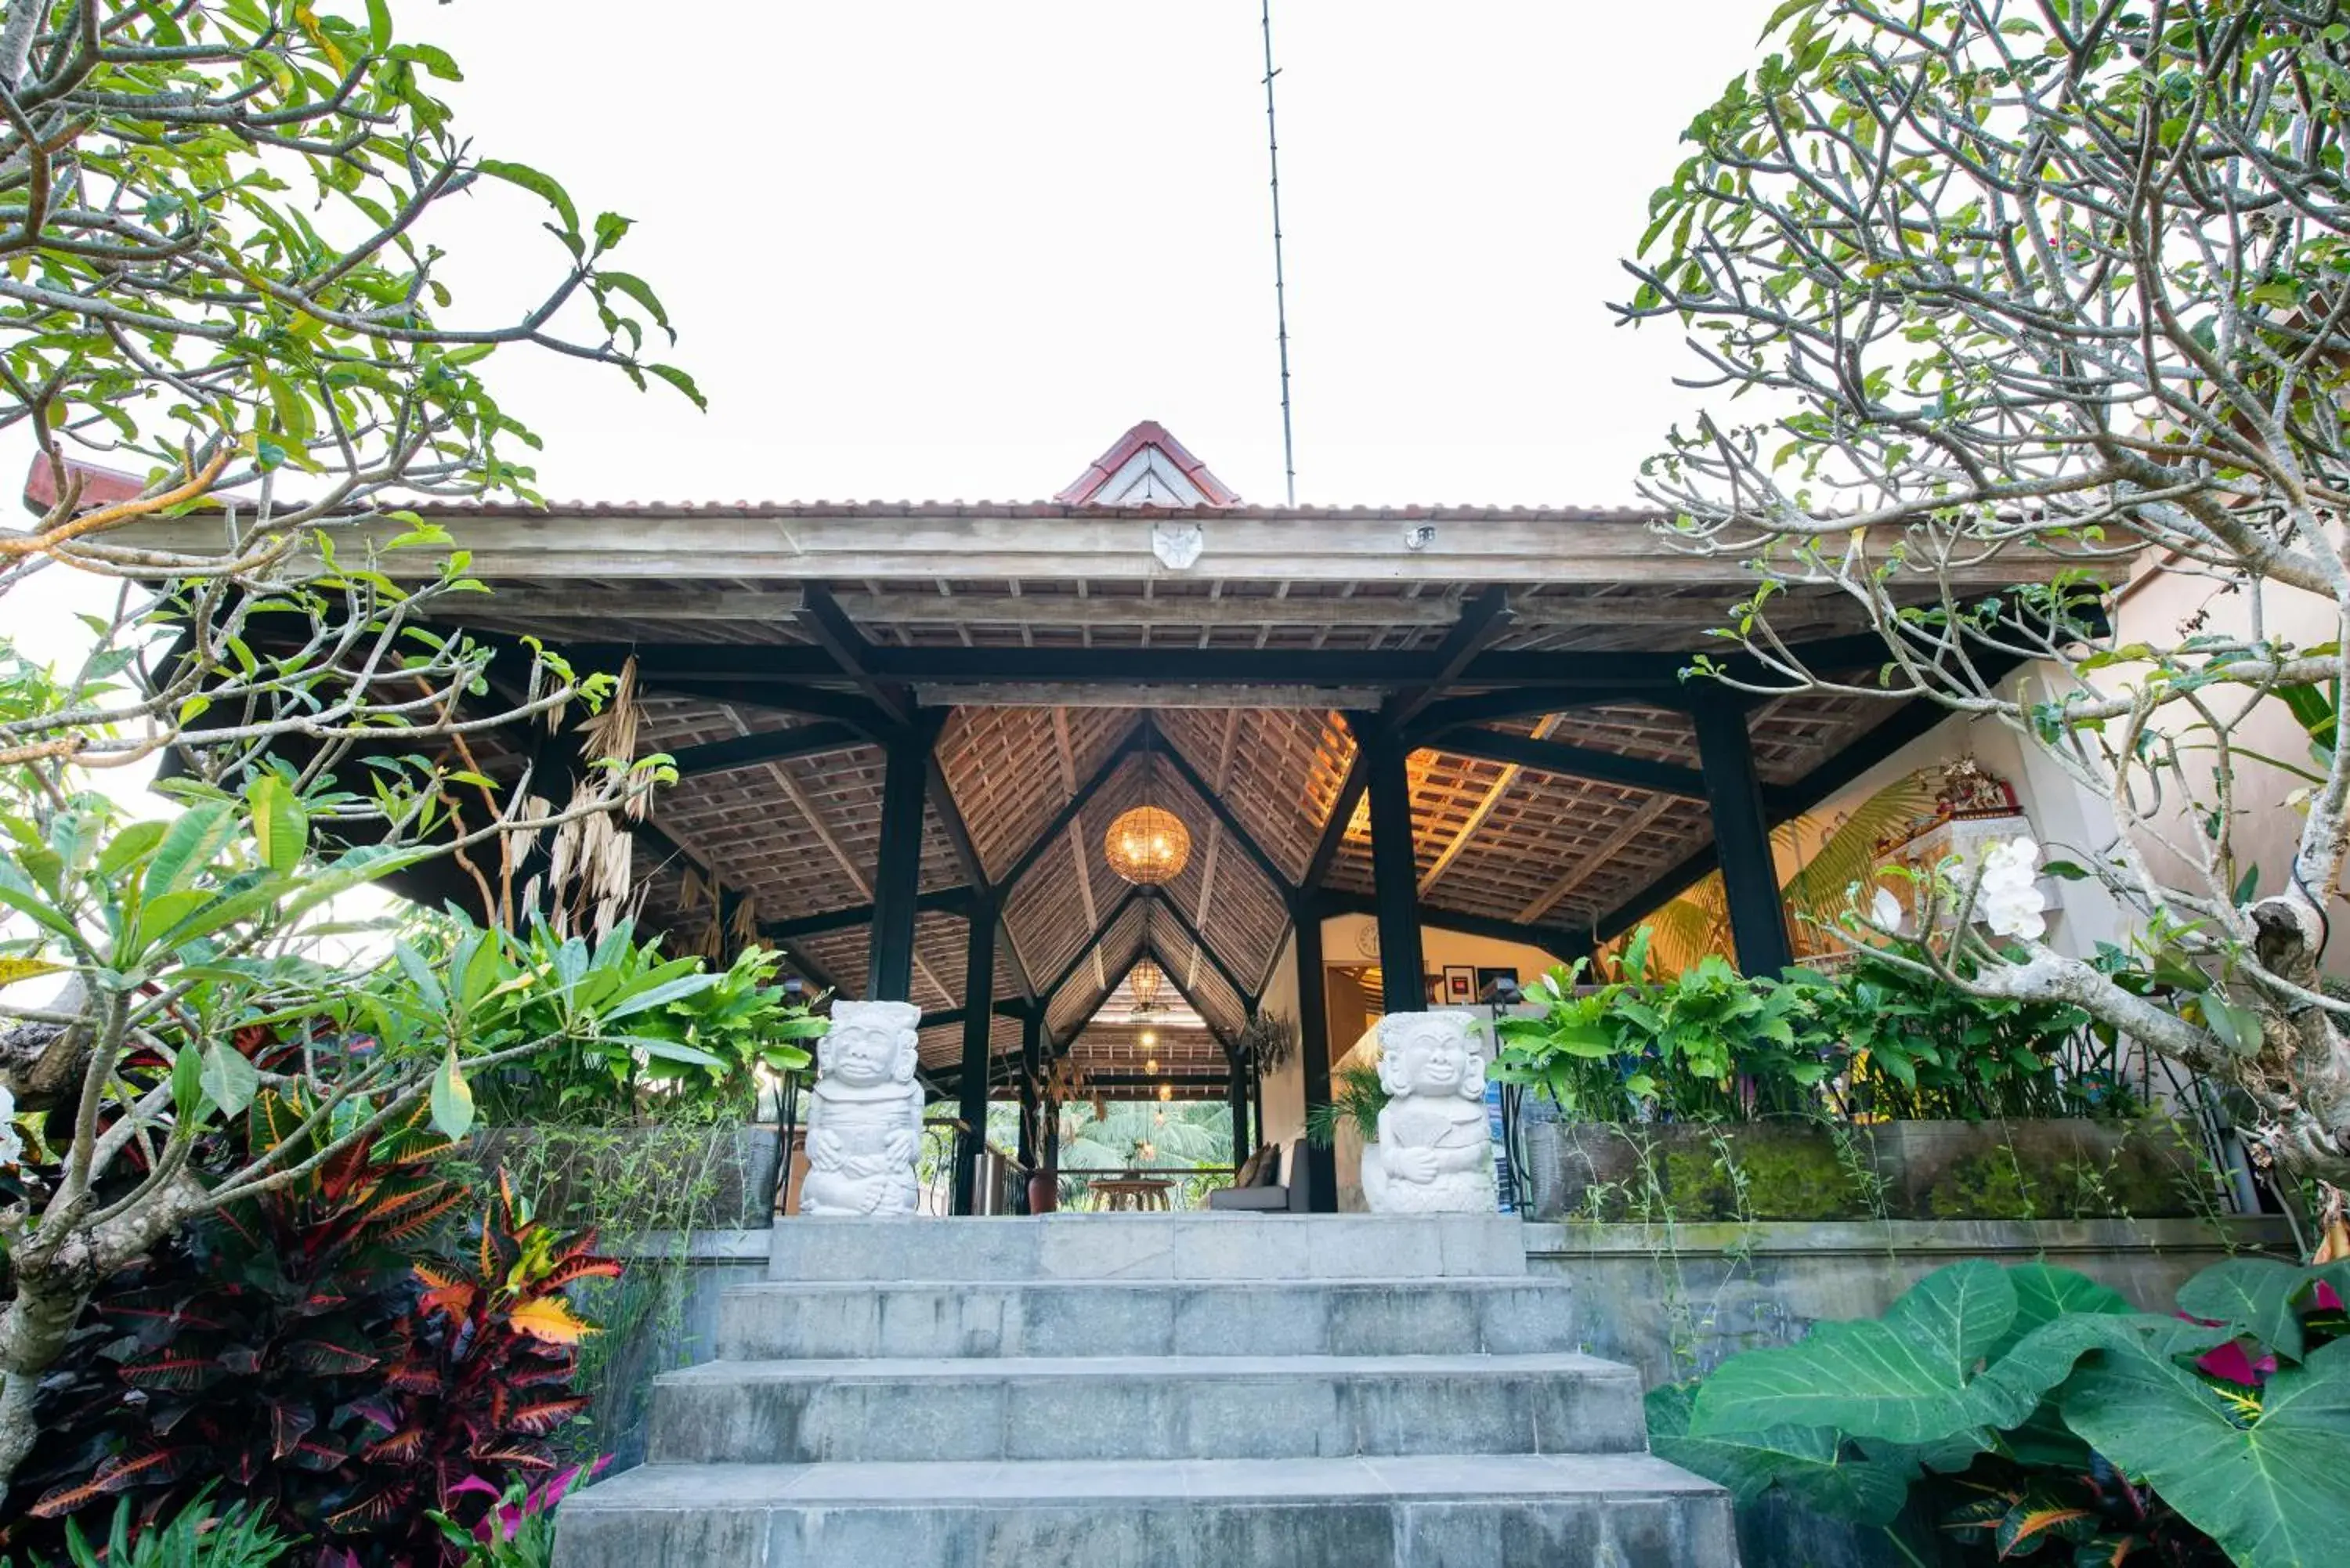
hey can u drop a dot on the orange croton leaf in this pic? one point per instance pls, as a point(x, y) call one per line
point(549, 1318)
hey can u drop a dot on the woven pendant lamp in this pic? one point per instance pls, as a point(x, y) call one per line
point(1147, 845)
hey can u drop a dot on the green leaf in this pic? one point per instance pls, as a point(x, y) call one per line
point(1807, 1463)
point(229, 1080)
point(669, 990)
point(187, 1085)
point(378, 26)
point(2274, 1492)
point(188, 847)
point(2251, 1295)
point(128, 847)
point(2071, 871)
point(544, 186)
point(452, 1099)
point(683, 382)
point(280, 825)
point(1906, 1378)
point(2044, 1293)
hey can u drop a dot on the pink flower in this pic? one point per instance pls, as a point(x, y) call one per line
point(2230, 1363)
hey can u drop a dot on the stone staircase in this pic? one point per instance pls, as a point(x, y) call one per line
point(1149, 1391)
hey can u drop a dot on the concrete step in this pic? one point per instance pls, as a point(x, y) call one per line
point(1307, 1317)
point(1189, 1247)
point(1150, 1408)
point(1626, 1510)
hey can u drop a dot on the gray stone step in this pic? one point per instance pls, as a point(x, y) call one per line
point(1153, 1408)
point(1100, 1317)
point(1186, 1247)
point(1625, 1510)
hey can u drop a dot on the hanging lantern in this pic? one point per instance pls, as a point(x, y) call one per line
point(1166, 1091)
point(1148, 846)
point(1150, 1065)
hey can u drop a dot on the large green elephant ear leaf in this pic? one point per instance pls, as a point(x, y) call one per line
point(2251, 1295)
point(1907, 1377)
point(1806, 1463)
point(2273, 1491)
point(2044, 1293)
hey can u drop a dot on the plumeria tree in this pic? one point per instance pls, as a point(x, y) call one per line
point(2065, 284)
point(221, 284)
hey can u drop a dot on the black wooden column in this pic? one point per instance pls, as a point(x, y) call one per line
point(1314, 1057)
point(1241, 1144)
point(978, 1022)
point(1741, 834)
point(1032, 1068)
point(1395, 876)
point(898, 882)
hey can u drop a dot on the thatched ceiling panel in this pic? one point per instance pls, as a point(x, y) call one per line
point(996, 761)
point(1793, 735)
point(1284, 770)
point(844, 956)
point(1121, 944)
point(1218, 1002)
point(940, 1051)
point(1118, 1048)
point(1054, 909)
point(1632, 730)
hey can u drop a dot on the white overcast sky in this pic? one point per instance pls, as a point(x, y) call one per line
point(932, 249)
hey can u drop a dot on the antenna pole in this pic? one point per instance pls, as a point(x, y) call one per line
point(1280, 289)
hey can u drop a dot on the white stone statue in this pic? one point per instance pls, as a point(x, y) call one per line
point(865, 1114)
point(1434, 1154)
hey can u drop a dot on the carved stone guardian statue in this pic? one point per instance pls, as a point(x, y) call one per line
point(1434, 1154)
point(865, 1114)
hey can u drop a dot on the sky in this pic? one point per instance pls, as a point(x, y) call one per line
point(924, 249)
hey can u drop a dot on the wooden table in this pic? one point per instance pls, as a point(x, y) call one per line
point(1131, 1193)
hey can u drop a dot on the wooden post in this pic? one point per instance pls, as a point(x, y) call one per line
point(1741, 834)
point(1313, 1055)
point(898, 880)
point(978, 1024)
point(1394, 877)
point(1032, 1066)
point(1241, 1144)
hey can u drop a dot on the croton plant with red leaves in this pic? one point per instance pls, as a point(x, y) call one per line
point(342, 1350)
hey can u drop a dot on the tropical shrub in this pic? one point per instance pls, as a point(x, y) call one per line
point(1880, 1039)
point(2030, 1414)
point(315, 1356)
point(194, 1538)
point(518, 1530)
point(697, 1046)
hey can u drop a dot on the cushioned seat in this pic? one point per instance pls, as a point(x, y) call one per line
point(1269, 1196)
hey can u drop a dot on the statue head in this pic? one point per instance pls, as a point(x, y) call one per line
point(870, 1042)
point(1431, 1055)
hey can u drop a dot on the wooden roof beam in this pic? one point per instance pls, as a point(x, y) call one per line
point(838, 635)
point(1224, 814)
point(766, 746)
point(1483, 619)
point(1573, 761)
point(954, 900)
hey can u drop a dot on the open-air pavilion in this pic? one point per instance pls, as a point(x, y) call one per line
point(902, 730)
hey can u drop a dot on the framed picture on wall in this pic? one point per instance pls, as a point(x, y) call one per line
point(1487, 979)
point(1460, 985)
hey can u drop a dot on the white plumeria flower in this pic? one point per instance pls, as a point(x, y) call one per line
point(1885, 911)
point(2007, 895)
point(12, 1146)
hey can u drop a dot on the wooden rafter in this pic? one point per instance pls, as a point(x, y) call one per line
point(1479, 813)
point(1589, 865)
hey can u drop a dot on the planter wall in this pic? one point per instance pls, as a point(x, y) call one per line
point(735, 1166)
point(2150, 1168)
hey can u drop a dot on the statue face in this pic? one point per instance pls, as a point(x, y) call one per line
point(861, 1056)
point(1431, 1055)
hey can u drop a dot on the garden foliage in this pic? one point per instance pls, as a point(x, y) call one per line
point(1878, 1039)
point(2032, 1413)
